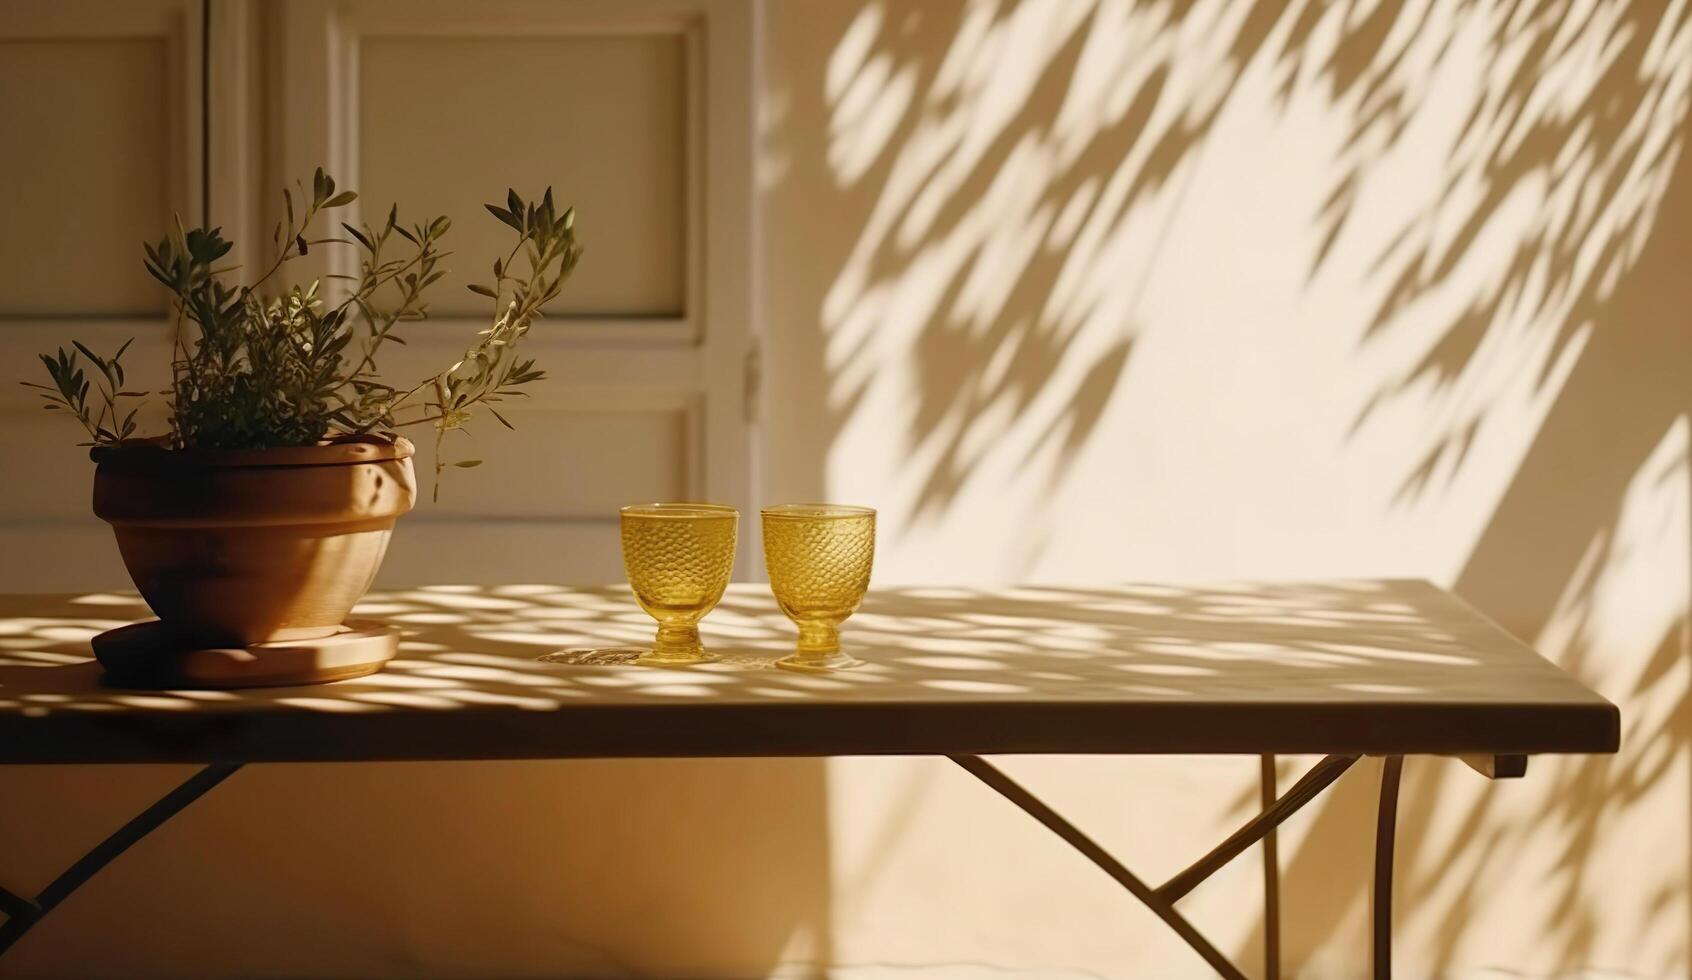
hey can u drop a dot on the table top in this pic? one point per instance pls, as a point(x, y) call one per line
point(1365, 667)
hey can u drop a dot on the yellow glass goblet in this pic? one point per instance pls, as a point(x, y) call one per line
point(819, 558)
point(678, 558)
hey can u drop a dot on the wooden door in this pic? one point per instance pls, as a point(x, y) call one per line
point(638, 113)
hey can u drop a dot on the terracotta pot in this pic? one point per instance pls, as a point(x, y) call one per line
point(241, 547)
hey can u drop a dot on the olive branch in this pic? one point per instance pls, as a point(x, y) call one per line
point(258, 371)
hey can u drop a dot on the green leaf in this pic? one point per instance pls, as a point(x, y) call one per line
point(465, 464)
point(290, 368)
point(89, 354)
point(505, 216)
point(482, 290)
point(160, 276)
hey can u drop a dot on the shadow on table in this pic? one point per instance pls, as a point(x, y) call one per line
point(582, 868)
point(476, 648)
point(642, 856)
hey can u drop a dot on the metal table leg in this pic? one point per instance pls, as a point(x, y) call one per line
point(1163, 908)
point(22, 913)
point(1271, 879)
point(1386, 829)
point(1161, 900)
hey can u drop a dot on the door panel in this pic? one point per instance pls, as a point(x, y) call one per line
point(448, 123)
point(633, 453)
point(99, 117)
point(442, 107)
point(60, 177)
point(636, 112)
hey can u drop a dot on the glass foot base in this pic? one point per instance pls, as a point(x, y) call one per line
point(838, 660)
point(652, 658)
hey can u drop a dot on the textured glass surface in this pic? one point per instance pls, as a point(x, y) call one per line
point(678, 558)
point(818, 557)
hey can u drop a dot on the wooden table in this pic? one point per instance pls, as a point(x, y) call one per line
point(1344, 669)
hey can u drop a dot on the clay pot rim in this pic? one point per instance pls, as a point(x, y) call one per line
point(332, 452)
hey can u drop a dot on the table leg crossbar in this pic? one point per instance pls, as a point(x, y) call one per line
point(23, 913)
point(1276, 809)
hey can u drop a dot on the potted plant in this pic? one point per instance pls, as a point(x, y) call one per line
point(261, 515)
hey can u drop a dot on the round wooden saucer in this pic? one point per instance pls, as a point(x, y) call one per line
point(148, 655)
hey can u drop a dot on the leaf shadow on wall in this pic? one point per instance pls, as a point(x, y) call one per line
point(995, 235)
point(1597, 273)
point(993, 230)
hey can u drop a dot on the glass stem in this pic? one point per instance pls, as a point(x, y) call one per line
point(818, 640)
point(678, 641)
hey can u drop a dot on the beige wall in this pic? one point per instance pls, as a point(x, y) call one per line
point(1110, 291)
point(1092, 292)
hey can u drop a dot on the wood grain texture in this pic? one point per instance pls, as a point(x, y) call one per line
point(1366, 667)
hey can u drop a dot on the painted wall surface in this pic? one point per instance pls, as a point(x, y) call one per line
point(1123, 291)
point(1087, 292)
